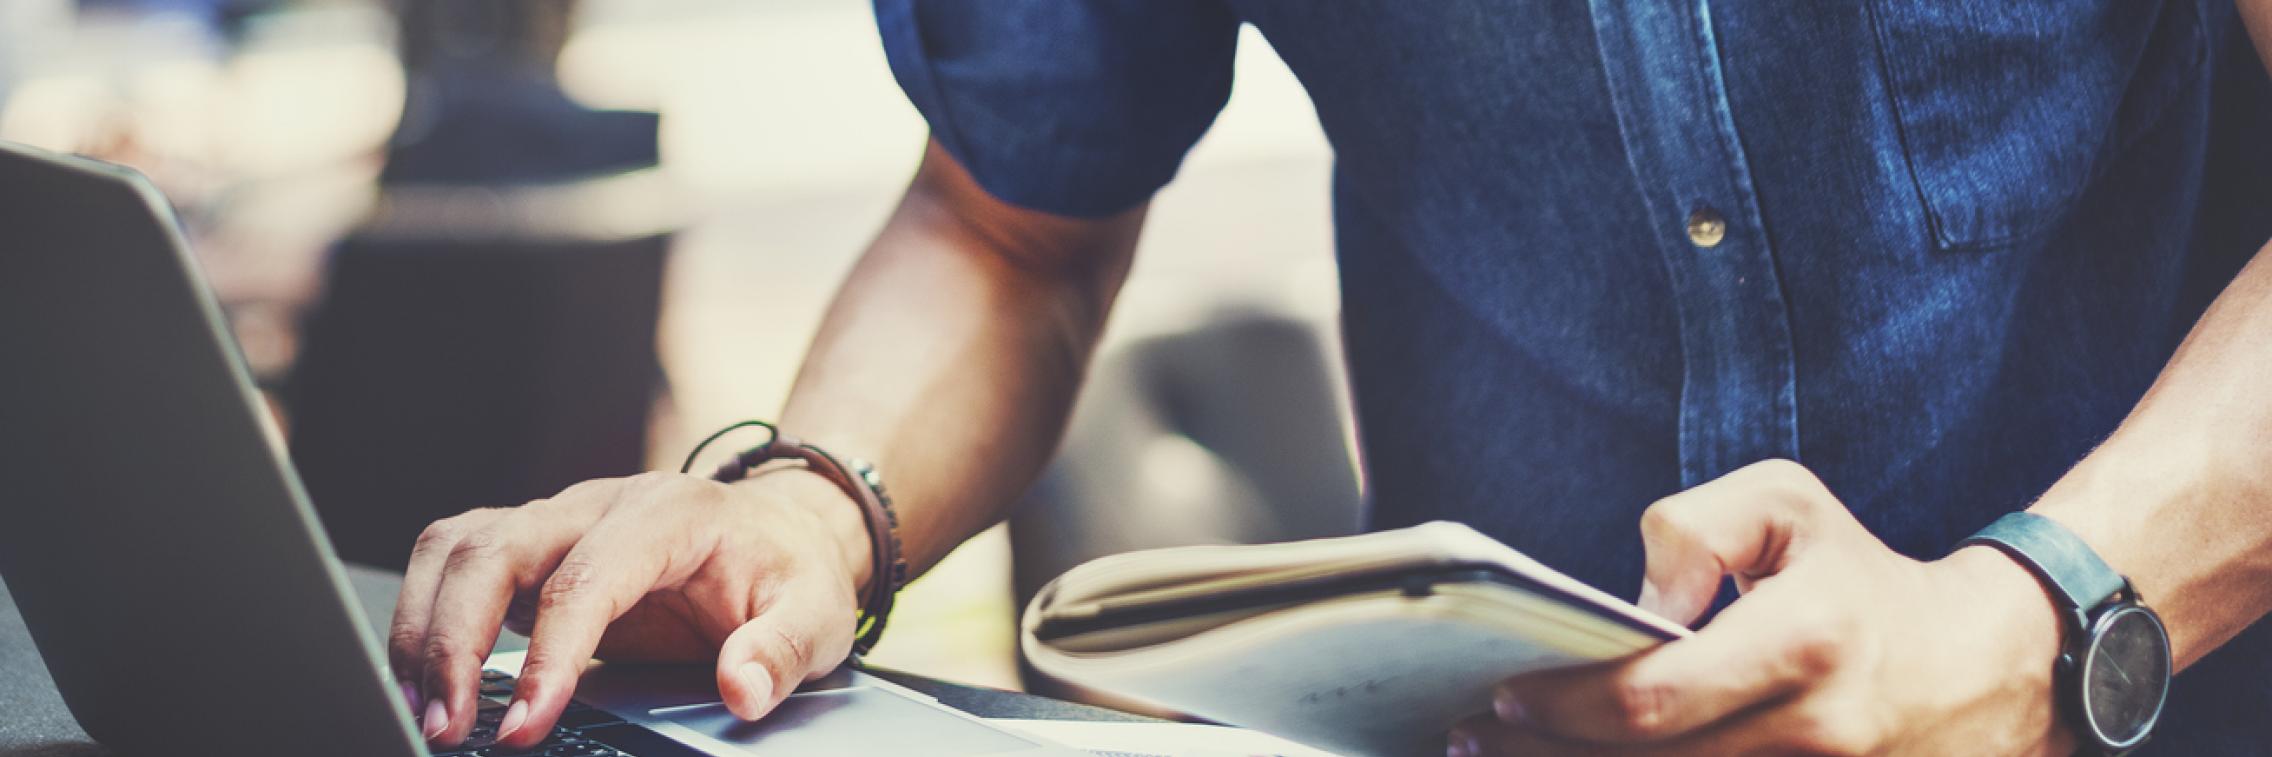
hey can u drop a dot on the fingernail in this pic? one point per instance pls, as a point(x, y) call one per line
point(756, 681)
point(410, 695)
point(1510, 709)
point(437, 719)
point(1461, 744)
point(515, 717)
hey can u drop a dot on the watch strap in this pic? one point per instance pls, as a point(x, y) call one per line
point(2078, 578)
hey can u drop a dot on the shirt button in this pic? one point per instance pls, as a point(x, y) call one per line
point(1706, 228)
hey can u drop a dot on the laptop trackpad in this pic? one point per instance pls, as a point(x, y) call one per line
point(851, 721)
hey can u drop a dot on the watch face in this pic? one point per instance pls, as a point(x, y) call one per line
point(2125, 675)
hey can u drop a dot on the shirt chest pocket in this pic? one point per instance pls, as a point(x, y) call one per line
point(2008, 108)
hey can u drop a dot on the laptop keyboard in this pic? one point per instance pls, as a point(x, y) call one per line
point(583, 731)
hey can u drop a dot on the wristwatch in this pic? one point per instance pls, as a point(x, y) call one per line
point(2113, 672)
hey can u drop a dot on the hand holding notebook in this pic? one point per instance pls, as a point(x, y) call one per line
point(1371, 644)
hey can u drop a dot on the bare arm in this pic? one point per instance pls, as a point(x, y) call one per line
point(2180, 497)
point(950, 357)
point(2257, 16)
point(952, 354)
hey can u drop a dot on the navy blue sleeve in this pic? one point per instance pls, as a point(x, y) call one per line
point(1074, 107)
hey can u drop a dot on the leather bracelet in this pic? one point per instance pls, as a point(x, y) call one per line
point(864, 485)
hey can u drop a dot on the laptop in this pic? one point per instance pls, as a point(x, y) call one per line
point(174, 577)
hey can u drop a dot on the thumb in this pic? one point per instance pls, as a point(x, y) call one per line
point(793, 640)
point(1739, 524)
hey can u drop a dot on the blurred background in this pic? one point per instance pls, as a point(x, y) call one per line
point(476, 250)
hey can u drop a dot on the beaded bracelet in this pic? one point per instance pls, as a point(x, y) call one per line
point(860, 480)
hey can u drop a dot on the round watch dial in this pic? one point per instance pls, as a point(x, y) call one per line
point(2125, 675)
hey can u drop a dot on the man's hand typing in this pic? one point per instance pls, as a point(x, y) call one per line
point(761, 576)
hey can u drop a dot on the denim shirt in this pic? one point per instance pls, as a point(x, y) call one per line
point(1593, 254)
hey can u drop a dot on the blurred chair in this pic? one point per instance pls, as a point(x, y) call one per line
point(1233, 432)
point(488, 337)
point(442, 375)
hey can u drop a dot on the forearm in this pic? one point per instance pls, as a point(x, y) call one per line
point(2257, 16)
point(953, 352)
point(2179, 498)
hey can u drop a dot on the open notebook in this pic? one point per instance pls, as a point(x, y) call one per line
point(1372, 644)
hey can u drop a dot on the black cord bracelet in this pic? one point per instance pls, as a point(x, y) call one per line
point(860, 481)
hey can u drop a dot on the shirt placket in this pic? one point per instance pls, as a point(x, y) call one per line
point(1737, 402)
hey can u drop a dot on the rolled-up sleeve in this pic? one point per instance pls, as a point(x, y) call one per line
point(1074, 107)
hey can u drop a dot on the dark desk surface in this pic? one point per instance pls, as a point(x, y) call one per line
point(33, 721)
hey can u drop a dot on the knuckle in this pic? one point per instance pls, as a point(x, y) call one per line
point(1654, 518)
point(1816, 649)
point(1667, 520)
point(796, 649)
point(569, 583)
point(403, 644)
point(478, 546)
point(1793, 481)
point(538, 664)
point(1641, 708)
point(440, 648)
point(404, 637)
point(440, 535)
